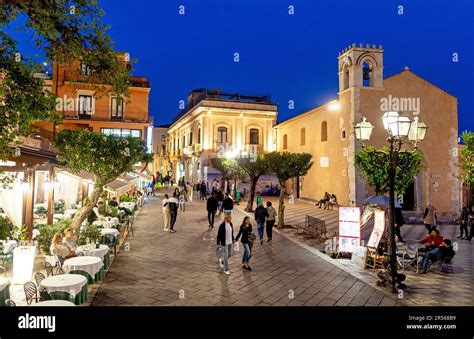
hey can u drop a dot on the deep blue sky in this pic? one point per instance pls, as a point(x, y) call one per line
point(289, 57)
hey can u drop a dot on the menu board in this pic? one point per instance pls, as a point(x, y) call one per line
point(349, 229)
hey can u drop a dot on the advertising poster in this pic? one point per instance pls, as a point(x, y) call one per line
point(349, 228)
point(379, 228)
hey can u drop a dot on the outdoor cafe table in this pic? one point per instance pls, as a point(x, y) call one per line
point(54, 303)
point(104, 223)
point(130, 205)
point(72, 287)
point(112, 231)
point(4, 290)
point(102, 252)
point(91, 267)
point(70, 212)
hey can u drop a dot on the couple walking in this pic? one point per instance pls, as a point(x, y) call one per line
point(226, 241)
point(265, 217)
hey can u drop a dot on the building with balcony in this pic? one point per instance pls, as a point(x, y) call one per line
point(82, 108)
point(161, 165)
point(215, 124)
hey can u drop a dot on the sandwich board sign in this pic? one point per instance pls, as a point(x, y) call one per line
point(349, 229)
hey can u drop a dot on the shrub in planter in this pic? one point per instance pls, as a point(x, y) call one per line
point(89, 234)
point(111, 211)
point(48, 231)
point(20, 233)
point(126, 198)
point(6, 228)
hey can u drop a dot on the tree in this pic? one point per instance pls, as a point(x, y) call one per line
point(254, 168)
point(466, 158)
point(105, 156)
point(65, 31)
point(234, 172)
point(374, 166)
point(218, 164)
point(285, 166)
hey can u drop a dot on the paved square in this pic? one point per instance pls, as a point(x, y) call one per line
point(182, 269)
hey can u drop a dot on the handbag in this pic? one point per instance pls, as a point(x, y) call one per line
point(252, 237)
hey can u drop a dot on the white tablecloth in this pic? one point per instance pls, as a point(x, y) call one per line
point(70, 283)
point(114, 220)
point(8, 244)
point(91, 265)
point(54, 303)
point(104, 223)
point(61, 216)
point(113, 231)
point(129, 205)
point(70, 212)
point(91, 251)
point(4, 282)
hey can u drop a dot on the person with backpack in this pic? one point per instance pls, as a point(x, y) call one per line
point(211, 206)
point(173, 206)
point(260, 215)
point(272, 214)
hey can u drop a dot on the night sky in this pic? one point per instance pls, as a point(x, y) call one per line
point(291, 57)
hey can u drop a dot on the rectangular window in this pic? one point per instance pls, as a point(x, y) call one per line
point(222, 135)
point(122, 132)
point(116, 109)
point(190, 138)
point(303, 136)
point(84, 69)
point(254, 136)
point(85, 106)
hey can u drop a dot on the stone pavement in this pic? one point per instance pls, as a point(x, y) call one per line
point(432, 289)
point(162, 269)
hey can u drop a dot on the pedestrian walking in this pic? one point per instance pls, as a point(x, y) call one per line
point(399, 222)
point(225, 241)
point(430, 218)
point(463, 222)
point(173, 206)
point(211, 206)
point(260, 215)
point(166, 212)
point(228, 204)
point(272, 214)
point(203, 190)
point(247, 240)
point(190, 192)
point(220, 201)
point(182, 200)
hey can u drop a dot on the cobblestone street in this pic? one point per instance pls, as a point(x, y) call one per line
point(163, 269)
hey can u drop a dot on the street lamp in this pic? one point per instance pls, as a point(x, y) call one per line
point(399, 128)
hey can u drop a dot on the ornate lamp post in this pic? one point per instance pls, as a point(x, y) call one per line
point(399, 129)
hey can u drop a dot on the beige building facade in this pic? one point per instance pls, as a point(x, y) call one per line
point(161, 164)
point(327, 132)
point(219, 124)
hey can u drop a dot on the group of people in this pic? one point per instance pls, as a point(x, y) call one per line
point(329, 201)
point(65, 247)
point(218, 202)
point(435, 248)
point(264, 217)
point(465, 220)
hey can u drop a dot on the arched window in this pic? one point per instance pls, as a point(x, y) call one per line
point(253, 136)
point(184, 141)
point(190, 138)
point(324, 131)
point(367, 80)
point(303, 136)
point(222, 135)
point(199, 134)
point(285, 141)
point(345, 78)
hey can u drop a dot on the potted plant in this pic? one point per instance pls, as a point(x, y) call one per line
point(90, 234)
point(46, 235)
point(20, 234)
point(5, 228)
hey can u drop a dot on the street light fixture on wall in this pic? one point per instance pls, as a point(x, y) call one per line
point(399, 129)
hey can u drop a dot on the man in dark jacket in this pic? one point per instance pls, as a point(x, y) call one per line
point(225, 241)
point(228, 204)
point(173, 206)
point(261, 214)
point(464, 222)
point(211, 210)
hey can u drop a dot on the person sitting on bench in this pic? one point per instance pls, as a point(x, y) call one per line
point(440, 253)
point(332, 202)
point(324, 200)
